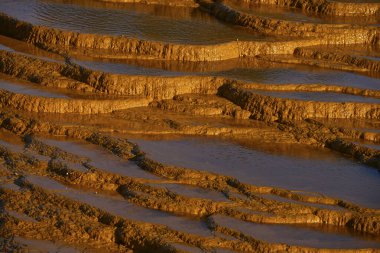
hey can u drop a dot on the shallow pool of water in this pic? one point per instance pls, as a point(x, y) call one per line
point(101, 158)
point(251, 70)
point(149, 22)
point(27, 89)
point(296, 15)
point(319, 96)
point(121, 207)
point(287, 166)
point(298, 235)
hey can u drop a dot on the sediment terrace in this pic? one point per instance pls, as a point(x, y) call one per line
point(264, 138)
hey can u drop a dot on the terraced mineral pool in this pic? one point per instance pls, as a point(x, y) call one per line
point(252, 70)
point(297, 235)
point(121, 207)
point(296, 15)
point(149, 22)
point(292, 167)
point(101, 158)
point(26, 89)
point(318, 96)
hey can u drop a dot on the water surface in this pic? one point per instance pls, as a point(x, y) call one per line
point(292, 167)
point(297, 15)
point(121, 207)
point(148, 22)
point(298, 235)
point(247, 70)
point(318, 96)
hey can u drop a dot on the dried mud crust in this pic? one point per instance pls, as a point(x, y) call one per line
point(63, 219)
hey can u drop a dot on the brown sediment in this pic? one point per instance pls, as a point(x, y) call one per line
point(326, 7)
point(326, 33)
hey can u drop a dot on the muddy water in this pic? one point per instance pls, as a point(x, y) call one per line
point(286, 166)
point(298, 235)
point(318, 96)
point(121, 207)
point(296, 15)
point(159, 23)
point(26, 88)
point(250, 70)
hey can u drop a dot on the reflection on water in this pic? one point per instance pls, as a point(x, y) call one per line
point(149, 22)
point(287, 166)
point(309, 236)
point(318, 96)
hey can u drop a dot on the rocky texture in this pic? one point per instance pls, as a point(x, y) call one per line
point(58, 105)
point(57, 40)
point(326, 7)
point(188, 3)
point(358, 62)
point(185, 105)
point(272, 109)
point(310, 88)
point(75, 77)
point(326, 33)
